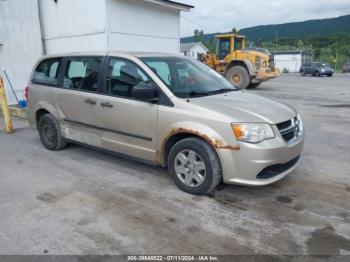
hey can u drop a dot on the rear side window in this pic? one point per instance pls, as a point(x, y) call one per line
point(46, 72)
point(82, 73)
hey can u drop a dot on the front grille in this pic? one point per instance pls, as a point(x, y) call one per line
point(284, 125)
point(276, 170)
point(289, 129)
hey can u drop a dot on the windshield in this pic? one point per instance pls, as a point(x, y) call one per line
point(186, 77)
point(321, 65)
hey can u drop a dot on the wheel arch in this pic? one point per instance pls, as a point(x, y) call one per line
point(42, 109)
point(178, 134)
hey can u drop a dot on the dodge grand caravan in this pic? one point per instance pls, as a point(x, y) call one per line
point(167, 110)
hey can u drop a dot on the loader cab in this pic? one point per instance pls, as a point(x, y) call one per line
point(228, 44)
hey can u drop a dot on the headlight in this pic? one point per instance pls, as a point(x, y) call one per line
point(252, 132)
point(300, 124)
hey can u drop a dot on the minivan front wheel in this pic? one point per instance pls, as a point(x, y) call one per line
point(50, 133)
point(194, 166)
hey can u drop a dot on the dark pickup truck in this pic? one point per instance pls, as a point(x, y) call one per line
point(316, 69)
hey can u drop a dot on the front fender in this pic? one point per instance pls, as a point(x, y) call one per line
point(196, 129)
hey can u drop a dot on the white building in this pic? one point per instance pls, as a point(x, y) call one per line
point(291, 60)
point(30, 28)
point(193, 49)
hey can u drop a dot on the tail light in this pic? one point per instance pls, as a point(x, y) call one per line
point(26, 93)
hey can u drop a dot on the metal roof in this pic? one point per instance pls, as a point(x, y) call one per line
point(172, 4)
point(188, 46)
point(178, 3)
point(292, 52)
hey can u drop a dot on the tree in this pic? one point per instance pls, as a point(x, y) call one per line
point(199, 35)
point(235, 30)
point(300, 44)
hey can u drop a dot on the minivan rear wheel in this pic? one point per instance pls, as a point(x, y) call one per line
point(194, 166)
point(50, 133)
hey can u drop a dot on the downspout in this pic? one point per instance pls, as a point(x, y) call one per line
point(42, 30)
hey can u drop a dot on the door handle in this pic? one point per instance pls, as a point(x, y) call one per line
point(106, 104)
point(90, 101)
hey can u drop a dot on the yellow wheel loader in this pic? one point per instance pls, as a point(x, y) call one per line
point(244, 67)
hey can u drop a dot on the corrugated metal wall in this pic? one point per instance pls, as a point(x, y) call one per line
point(21, 39)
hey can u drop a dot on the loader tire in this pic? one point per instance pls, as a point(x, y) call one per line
point(239, 76)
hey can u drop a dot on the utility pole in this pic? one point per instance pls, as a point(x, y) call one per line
point(276, 40)
point(336, 60)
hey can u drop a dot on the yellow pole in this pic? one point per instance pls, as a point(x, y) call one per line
point(5, 109)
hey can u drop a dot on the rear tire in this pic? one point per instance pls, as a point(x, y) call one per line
point(239, 76)
point(50, 133)
point(254, 85)
point(330, 75)
point(194, 166)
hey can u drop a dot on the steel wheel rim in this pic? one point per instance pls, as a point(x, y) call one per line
point(190, 168)
point(49, 134)
point(236, 78)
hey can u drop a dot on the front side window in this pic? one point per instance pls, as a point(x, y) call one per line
point(82, 73)
point(187, 77)
point(122, 76)
point(47, 72)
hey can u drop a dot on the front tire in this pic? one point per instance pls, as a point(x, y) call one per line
point(50, 133)
point(239, 76)
point(194, 166)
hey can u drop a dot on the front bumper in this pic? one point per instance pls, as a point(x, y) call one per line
point(265, 74)
point(326, 72)
point(261, 164)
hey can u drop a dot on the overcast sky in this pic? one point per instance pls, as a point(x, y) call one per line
point(222, 15)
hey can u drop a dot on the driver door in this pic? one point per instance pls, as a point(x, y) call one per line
point(129, 125)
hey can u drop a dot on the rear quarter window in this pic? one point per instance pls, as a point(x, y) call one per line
point(46, 72)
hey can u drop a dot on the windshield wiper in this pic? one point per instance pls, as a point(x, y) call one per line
point(220, 91)
point(196, 94)
point(199, 94)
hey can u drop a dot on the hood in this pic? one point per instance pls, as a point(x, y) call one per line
point(325, 68)
point(243, 106)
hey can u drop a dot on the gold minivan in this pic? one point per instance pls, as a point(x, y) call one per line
point(167, 110)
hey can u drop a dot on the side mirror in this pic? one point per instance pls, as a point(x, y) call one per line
point(145, 92)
